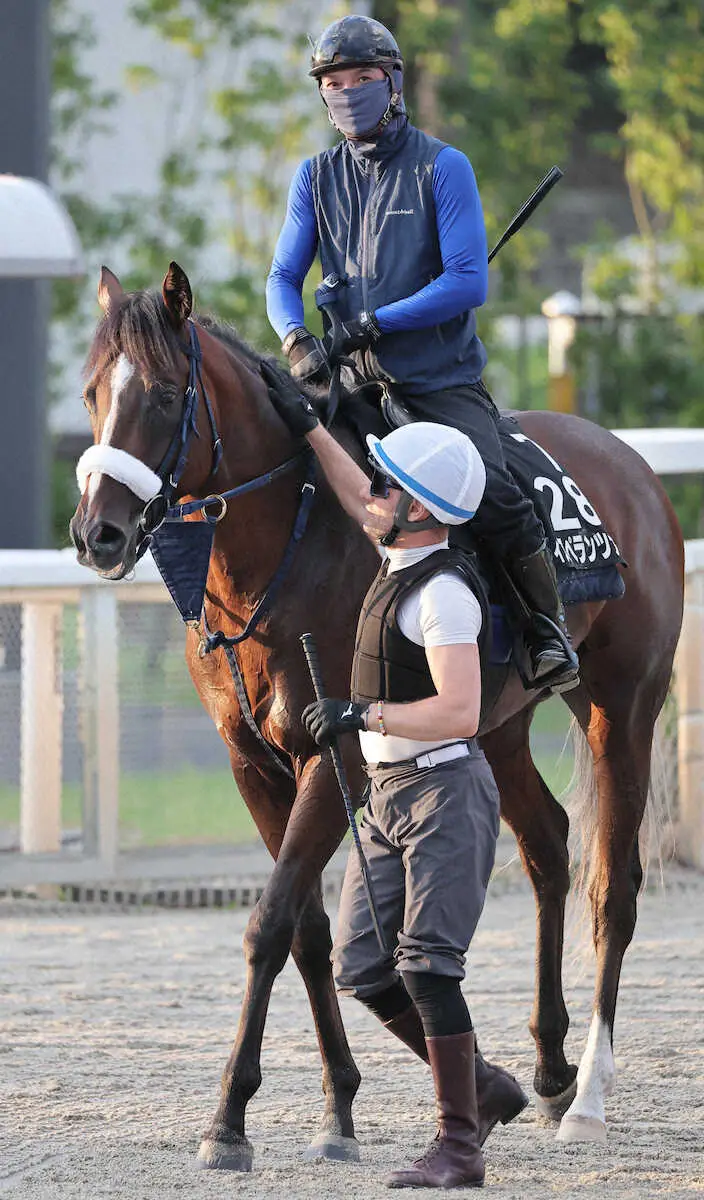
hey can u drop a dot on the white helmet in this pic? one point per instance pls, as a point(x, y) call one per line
point(438, 465)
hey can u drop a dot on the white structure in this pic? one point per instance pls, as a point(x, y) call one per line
point(668, 451)
point(689, 673)
point(37, 237)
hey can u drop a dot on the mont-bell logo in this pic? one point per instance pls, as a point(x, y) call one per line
point(399, 212)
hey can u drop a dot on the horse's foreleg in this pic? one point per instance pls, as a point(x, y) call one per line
point(621, 745)
point(314, 828)
point(267, 942)
point(540, 825)
point(311, 951)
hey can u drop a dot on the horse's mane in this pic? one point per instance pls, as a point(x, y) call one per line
point(139, 327)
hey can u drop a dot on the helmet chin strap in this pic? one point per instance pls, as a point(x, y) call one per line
point(401, 521)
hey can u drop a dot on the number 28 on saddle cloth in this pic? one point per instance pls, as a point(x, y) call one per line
point(586, 556)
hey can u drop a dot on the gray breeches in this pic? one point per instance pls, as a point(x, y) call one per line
point(429, 836)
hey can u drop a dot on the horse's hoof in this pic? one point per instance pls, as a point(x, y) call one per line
point(235, 1155)
point(333, 1147)
point(581, 1129)
point(555, 1107)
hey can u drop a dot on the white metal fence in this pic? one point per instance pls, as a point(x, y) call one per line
point(101, 728)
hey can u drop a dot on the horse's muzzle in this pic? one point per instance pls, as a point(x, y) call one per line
point(104, 547)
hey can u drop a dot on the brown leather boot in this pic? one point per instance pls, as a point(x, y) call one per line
point(500, 1097)
point(454, 1157)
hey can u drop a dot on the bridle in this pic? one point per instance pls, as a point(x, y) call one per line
point(158, 489)
point(173, 464)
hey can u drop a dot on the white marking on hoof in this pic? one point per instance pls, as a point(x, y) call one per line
point(555, 1107)
point(581, 1129)
point(332, 1146)
point(225, 1156)
point(585, 1119)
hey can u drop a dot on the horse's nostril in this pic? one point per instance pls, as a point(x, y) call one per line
point(104, 539)
point(76, 537)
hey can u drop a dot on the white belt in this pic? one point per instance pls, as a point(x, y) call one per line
point(443, 754)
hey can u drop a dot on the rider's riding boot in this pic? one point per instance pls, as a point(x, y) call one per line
point(500, 1097)
point(454, 1157)
point(553, 661)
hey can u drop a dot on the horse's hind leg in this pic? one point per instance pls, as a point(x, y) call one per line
point(311, 951)
point(540, 825)
point(619, 731)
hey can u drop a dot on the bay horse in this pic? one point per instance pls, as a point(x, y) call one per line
point(138, 367)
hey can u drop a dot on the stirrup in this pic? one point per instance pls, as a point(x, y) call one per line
point(565, 675)
point(561, 679)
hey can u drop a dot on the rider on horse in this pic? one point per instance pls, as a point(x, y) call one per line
point(396, 218)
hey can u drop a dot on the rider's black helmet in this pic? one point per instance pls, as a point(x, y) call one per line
point(355, 42)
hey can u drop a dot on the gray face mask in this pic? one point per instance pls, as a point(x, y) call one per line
point(357, 111)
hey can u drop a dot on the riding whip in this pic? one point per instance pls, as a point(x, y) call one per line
point(526, 210)
point(311, 653)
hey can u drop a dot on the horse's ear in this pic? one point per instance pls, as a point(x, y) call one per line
point(176, 291)
point(110, 290)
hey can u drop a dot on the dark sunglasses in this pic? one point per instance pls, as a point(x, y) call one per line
point(381, 484)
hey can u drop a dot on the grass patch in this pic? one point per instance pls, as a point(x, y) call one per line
point(192, 806)
point(161, 809)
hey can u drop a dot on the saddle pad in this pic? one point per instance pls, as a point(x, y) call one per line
point(586, 556)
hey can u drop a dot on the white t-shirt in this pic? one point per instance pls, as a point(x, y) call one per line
point(441, 612)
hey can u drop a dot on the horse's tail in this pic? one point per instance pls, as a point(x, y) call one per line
point(580, 802)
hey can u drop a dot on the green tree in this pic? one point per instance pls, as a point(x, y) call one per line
point(513, 83)
point(259, 119)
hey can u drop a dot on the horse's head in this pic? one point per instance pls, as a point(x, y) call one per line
point(138, 392)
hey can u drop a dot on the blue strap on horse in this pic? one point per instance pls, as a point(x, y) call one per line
point(210, 640)
point(182, 549)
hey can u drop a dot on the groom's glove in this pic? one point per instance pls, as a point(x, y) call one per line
point(325, 719)
point(295, 409)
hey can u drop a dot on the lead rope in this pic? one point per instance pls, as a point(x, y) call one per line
point(246, 710)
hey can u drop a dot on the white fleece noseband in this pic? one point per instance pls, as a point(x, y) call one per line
point(119, 465)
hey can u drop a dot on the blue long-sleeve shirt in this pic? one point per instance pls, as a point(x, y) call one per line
point(461, 286)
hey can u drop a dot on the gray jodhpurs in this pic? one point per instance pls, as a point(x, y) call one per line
point(429, 837)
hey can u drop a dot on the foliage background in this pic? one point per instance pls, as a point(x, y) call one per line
point(517, 85)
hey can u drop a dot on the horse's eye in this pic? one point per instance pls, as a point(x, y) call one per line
point(89, 399)
point(161, 393)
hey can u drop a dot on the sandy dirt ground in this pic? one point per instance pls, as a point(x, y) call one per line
point(115, 1028)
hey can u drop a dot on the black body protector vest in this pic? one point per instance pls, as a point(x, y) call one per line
point(386, 664)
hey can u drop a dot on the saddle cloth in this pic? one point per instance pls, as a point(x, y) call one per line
point(585, 554)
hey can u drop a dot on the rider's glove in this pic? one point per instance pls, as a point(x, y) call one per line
point(306, 356)
point(325, 719)
point(360, 332)
point(295, 409)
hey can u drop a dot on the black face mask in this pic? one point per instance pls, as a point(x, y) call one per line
point(358, 111)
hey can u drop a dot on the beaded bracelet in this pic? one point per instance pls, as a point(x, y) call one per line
point(380, 718)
